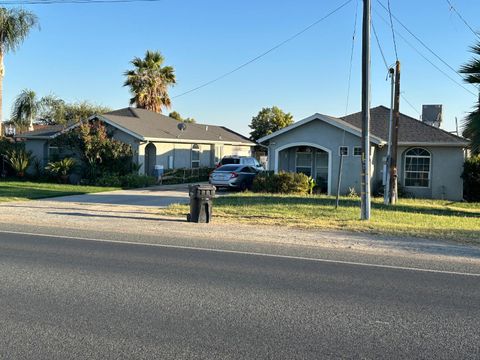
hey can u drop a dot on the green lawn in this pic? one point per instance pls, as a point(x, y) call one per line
point(23, 190)
point(424, 218)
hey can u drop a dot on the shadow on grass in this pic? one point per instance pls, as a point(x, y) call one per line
point(299, 200)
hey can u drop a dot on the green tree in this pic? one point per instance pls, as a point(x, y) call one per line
point(25, 110)
point(52, 110)
point(176, 115)
point(269, 120)
point(15, 24)
point(149, 82)
point(471, 125)
point(83, 110)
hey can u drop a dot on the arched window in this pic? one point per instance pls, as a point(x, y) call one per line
point(417, 168)
point(195, 156)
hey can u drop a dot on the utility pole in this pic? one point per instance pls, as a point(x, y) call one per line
point(396, 122)
point(386, 195)
point(365, 175)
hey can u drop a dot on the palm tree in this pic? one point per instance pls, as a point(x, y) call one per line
point(15, 24)
point(149, 82)
point(25, 109)
point(471, 128)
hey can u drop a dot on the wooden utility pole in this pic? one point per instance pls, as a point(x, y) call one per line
point(365, 175)
point(396, 123)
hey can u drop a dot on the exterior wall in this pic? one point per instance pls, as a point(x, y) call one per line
point(446, 166)
point(39, 149)
point(325, 137)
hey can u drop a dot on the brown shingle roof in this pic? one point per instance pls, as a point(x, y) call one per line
point(410, 130)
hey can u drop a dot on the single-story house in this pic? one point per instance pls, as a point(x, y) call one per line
point(156, 139)
point(430, 160)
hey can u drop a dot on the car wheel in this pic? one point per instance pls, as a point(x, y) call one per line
point(243, 186)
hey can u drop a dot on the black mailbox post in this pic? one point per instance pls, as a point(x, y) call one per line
point(201, 198)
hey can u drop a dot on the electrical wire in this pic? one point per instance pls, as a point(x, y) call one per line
point(65, 2)
point(351, 57)
point(265, 52)
point(410, 104)
point(420, 41)
point(463, 19)
point(393, 32)
point(380, 47)
point(427, 59)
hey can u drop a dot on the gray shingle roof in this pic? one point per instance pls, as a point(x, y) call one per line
point(150, 125)
point(45, 131)
point(147, 124)
point(410, 130)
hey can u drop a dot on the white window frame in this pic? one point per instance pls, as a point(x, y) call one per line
point(410, 171)
point(195, 149)
point(340, 150)
point(357, 147)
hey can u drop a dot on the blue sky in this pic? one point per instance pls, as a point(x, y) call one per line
point(82, 50)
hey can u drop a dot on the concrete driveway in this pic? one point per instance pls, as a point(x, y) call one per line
point(156, 196)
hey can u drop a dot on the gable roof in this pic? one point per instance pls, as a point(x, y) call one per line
point(47, 131)
point(149, 126)
point(339, 123)
point(411, 131)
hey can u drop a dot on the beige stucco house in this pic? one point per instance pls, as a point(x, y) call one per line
point(156, 139)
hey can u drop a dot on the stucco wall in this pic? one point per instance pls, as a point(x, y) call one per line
point(39, 149)
point(326, 137)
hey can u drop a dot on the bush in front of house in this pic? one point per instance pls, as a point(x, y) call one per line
point(282, 183)
point(19, 159)
point(61, 169)
point(129, 181)
point(471, 178)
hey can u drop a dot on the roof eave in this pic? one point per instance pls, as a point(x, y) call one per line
point(429, 143)
point(195, 141)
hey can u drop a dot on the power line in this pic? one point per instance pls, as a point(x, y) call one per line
point(410, 104)
point(266, 52)
point(420, 41)
point(393, 32)
point(463, 19)
point(351, 58)
point(380, 47)
point(427, 59)
point(65, 2)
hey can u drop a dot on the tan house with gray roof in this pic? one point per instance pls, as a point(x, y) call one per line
point(156, 139)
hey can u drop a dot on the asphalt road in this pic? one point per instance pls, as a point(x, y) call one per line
point(76, 299)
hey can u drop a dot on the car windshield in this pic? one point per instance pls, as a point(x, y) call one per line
point(226, 161)
point(228, 168)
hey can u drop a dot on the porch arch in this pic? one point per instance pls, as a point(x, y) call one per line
point(301, 143)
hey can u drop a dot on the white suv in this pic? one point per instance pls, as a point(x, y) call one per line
point(241, 160)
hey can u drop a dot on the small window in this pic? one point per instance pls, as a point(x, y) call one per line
point(343, 150)
point(195, 156)
point(357, 151)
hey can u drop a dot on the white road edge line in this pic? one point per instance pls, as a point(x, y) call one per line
point(291, 257)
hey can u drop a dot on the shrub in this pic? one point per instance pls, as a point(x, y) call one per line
point(471, 179)
point(61, 169)
point(19, 160)
point(284, 183)
point(129, 181)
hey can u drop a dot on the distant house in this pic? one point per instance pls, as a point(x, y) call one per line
point(155, 139)
point(430, 160)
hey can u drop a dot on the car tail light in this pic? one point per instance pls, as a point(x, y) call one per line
point(234, 175)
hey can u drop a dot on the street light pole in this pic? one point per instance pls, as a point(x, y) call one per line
point(365, 175)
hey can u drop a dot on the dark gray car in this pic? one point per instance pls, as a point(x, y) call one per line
point(233, 176)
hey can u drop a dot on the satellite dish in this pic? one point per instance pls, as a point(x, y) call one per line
point(181, 126)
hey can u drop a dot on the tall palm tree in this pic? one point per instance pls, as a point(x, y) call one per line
point(149, 82)
point(15, 24)
point(25, 109)
point(471, 128)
